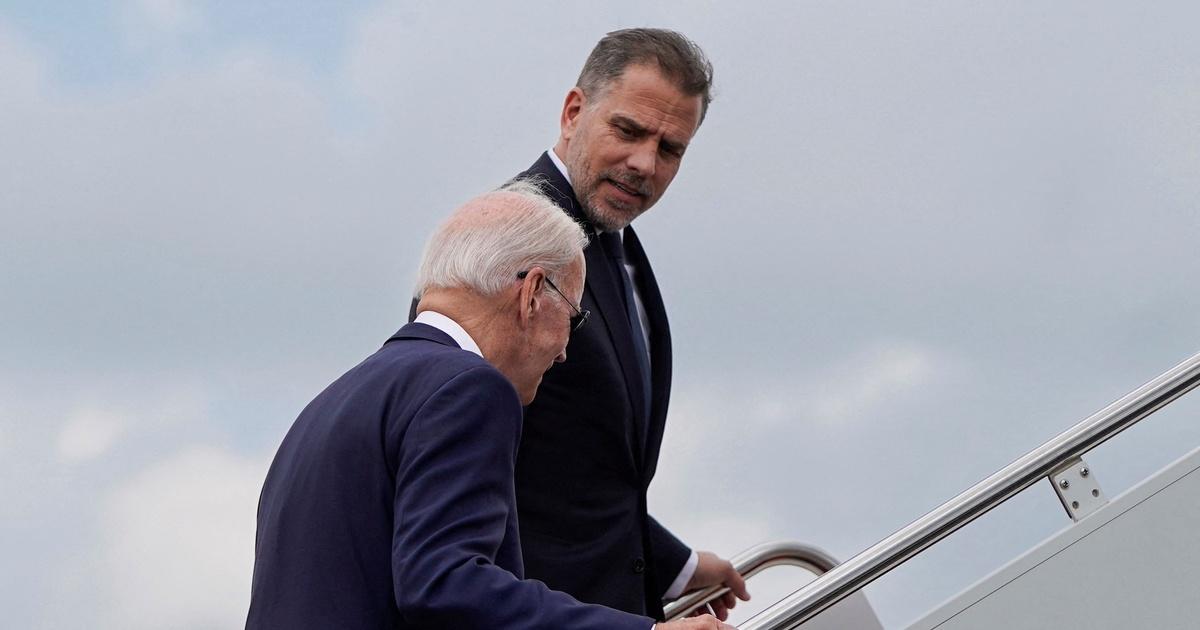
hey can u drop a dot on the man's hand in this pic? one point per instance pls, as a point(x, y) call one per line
point(704, 622)
point(712, 570)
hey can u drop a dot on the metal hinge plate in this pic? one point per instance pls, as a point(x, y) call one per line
point(1077, 488)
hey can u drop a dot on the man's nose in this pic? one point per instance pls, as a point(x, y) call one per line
point(562, 356)
point(643, 158)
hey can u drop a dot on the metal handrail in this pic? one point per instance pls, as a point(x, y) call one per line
point(755, 560)
point(890, 552)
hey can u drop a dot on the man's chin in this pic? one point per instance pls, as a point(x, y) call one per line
point(527, 397)
point(610, 217)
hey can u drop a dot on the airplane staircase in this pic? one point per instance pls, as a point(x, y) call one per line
point(1129, 562)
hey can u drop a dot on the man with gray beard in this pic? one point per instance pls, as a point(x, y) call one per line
point(592, 437)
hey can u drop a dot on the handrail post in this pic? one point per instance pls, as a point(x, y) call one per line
point(753, 561)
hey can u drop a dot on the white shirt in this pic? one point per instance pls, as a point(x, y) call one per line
point(689, 567)
point(450, 327)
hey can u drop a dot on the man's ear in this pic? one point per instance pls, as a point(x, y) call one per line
point(530, 298)
point(572, 107)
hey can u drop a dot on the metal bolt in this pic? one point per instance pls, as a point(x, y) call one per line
point(1083, 472)
point(1064, 484)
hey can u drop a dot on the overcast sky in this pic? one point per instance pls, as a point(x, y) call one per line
point(911, 242)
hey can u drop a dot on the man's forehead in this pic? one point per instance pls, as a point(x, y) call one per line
point(646, 81)
point(674, 126)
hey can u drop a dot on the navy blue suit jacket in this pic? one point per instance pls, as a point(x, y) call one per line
point(590, 446)
point(390, 504)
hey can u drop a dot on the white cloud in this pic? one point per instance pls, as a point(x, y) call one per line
point(855, 387)
point(7, 420)
point(150, 23)
point(879, 376)
point(169, 15)
point(97, 418)
point(179, 542)
point(89, 434)
point(228, 171)
point(840, 399)
point(387, 70)
point(20, 65)
point(747, 462)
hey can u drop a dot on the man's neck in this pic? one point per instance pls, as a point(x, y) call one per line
point(447, 325)
point(474, 314)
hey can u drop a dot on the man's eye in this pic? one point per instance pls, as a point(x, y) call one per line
point(625, 132)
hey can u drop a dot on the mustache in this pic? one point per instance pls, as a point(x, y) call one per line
point(633, 181)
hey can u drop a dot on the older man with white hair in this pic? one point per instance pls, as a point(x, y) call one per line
point(390, 503)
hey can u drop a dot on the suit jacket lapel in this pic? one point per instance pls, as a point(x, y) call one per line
point(660, 347)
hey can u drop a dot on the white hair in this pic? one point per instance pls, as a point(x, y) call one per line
point(489, 240)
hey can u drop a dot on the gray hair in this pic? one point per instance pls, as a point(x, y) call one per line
point(489, 240)
point(677, 57)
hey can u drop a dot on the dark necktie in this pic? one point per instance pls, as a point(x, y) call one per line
point(611, 241)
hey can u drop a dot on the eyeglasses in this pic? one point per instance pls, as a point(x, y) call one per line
point(581, 315)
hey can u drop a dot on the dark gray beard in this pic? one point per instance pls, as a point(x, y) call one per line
point(604, 222)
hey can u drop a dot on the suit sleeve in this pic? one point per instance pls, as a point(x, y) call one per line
point(670, 554)
point(454, 500)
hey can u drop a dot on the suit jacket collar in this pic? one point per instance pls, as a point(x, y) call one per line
point(414, 330)
point(556, 186)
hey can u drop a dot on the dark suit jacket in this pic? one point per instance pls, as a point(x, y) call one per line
point(590, 447)
point(390, 504)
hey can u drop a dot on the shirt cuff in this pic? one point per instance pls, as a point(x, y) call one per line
point(685, 576)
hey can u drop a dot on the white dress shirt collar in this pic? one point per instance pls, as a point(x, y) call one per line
point(450, 327)
point(562, 168)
